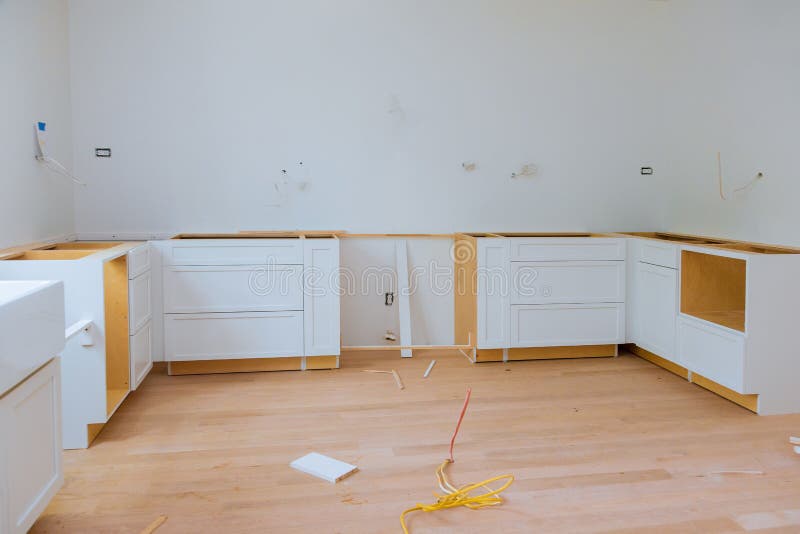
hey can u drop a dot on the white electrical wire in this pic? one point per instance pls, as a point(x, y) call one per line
point(58, 168)
point(748, 185)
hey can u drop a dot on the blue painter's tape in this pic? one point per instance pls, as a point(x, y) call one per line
point(42, 126)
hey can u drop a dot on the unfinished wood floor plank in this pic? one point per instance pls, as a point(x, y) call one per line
point(596, 445)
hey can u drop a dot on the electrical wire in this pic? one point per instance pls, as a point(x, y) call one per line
point(453, 496)
point(58, 168)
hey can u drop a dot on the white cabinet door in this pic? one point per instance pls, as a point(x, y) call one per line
point(138, 260)
point(30, 448)
point(558, 325)
point(657, 307)
point(141, 355)
point(713, 352)
point(493, 293)
point(573, 282)
point(231, 336)
point(140, 305)
point(242, 288)
point(321, 297)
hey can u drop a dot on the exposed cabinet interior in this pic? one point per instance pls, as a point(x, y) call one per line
point(115, 295)
point(713, 288)
point(50, 255)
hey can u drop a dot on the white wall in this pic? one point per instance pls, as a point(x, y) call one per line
point(204, 102)
point(736, 72)
point(35, 204)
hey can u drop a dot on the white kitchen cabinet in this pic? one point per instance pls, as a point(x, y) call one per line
point(96, 373)
point(321, 315)
point(141, 354)
point(657, 309)
point(536, 291)
point(250, 298)
point(31, 471)
point(713, 352)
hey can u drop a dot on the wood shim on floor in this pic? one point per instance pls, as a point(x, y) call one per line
point(324, 467)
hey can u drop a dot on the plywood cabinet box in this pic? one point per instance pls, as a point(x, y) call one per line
point(107, 284)
point(242, 304)
point(532, 297)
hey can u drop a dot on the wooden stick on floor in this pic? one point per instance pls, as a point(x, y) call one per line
point(155, 524)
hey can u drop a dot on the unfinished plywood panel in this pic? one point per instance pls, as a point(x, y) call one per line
point(92, 431)
point(713, 288)
point(39, 255)
point(558, 353)
point(115, 295)
point(465, 263)
point(84, 245)
point(659, 361)
point(322, 362)
point(249, 365)
point(488, 355)
point(746, 401)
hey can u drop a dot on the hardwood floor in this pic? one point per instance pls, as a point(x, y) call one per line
point(597, 445)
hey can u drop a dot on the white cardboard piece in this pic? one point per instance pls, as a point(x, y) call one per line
point(323, 467)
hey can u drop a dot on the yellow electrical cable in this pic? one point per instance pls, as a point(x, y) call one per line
point(454, 497)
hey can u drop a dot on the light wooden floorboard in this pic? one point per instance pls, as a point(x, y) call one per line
point(597, 445)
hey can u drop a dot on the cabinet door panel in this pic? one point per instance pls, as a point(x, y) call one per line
point(231, 336)
point(559, 325)
point(493, 293)
point(657, 292)
point(577, 282)
point(31, 419)
point(321, 297)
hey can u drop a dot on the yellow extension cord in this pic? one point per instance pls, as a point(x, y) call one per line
point(454, 497)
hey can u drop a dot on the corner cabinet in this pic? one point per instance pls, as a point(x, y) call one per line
point(247, 304)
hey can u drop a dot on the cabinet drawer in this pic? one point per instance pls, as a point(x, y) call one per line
point(567, 248)
point(141, 355)
point(235, 252)
point(226, 336)
point(567, 282)
point(658, 253)
point(712, 352)
point(139, 303)
point(567, 325)
point(233, 289)
point(138, 260)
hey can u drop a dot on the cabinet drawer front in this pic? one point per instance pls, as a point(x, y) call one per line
point(658, 253)
point(712, 352)
point(567, 325)
point(138, 261)
point(567, 282)
point(233, 289)
point(141, 355)
point(567, 248)
point(235, 252)
point(230, 336)
point(139, 302)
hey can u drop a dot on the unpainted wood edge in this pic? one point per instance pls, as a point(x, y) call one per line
point(254, 365)
point(748, 401)
point(92, 431)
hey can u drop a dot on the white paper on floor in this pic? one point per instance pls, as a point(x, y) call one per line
point(324, 467)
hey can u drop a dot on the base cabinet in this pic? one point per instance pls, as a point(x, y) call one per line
point(31, 470)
